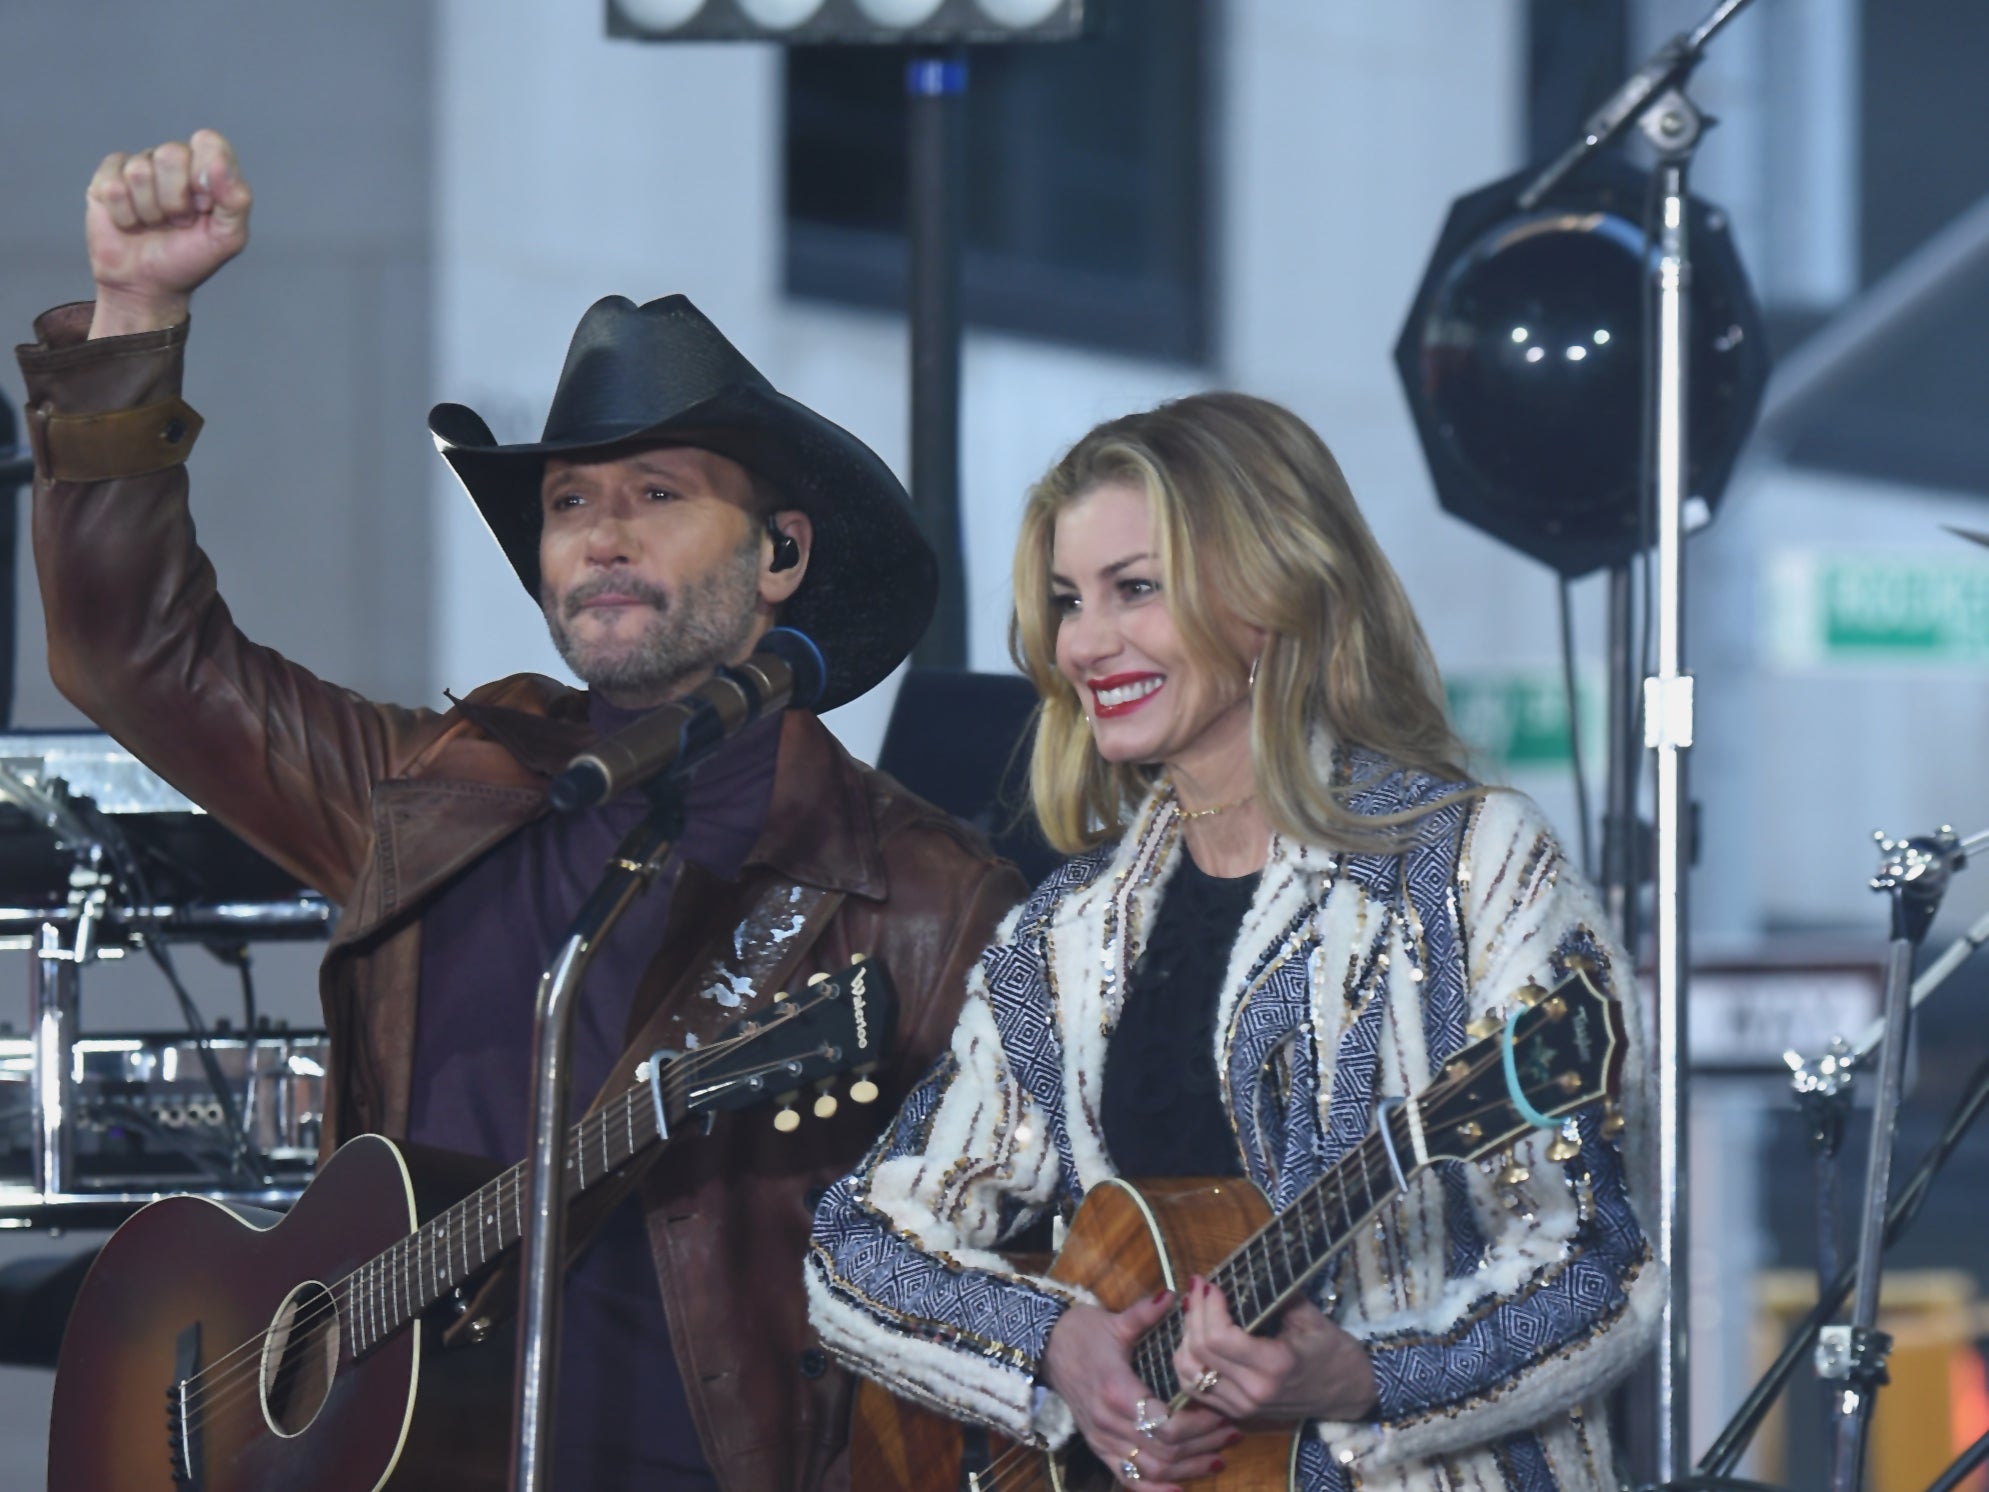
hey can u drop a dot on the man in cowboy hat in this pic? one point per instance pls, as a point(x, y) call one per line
point(676, 506)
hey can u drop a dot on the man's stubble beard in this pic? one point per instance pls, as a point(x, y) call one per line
point(705, 623)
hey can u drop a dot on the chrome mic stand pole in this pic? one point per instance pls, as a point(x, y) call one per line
point(1668, 731)
point(629, 874)
point(1652, 101)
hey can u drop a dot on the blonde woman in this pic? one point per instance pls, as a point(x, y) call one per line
point(1287, 902)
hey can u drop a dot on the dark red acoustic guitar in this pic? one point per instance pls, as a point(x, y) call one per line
point(1557, 1052)
point(212, 1350)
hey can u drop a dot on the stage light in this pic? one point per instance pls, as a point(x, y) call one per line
point(780, 15)
point(1524, 358)
point(660, 15)
point(898, 12)
point(926, 23)
point(1018, 12)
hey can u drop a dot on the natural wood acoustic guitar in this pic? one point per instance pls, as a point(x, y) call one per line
point(1557, 1052)
point(215, 1350)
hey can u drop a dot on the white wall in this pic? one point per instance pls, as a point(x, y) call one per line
point(308, 360)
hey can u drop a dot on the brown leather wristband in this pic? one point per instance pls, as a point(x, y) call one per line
point(120, 443)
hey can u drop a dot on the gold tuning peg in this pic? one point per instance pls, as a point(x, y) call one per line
point(863, 1091)
point(859, 958)
point(1612, 1122)
point(787, 1121)
point(1566, 1145)
point(780, 995)
point(1485, 1025)
point(1514, 1174)
point(825, 1103)
point(818, 977)
point(1531, 994)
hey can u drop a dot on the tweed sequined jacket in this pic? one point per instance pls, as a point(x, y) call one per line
point(1495, 1312)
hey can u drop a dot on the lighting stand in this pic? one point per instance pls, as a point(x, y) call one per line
point(1653, 102)
point(936, 83)
point(1915, 874)
point(629, 874)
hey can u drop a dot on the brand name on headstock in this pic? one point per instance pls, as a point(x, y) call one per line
point(856, 1005)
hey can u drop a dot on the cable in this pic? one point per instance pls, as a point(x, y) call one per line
point(1575, 724)
point(242, 1156)
point(219, 1167)
point(236, 956)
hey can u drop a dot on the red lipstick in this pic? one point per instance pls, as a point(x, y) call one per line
point(1101, 687)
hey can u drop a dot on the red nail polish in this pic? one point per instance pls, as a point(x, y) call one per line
point(1159, 1296)
point(1234, 1436)
point(1215, 1466)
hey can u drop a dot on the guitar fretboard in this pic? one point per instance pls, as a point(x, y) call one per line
point(1277, 1260)
point(390, 1290)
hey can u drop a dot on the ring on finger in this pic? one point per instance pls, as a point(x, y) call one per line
point(1205, 1381)
point(1145, 1424)
point(1129, 1470)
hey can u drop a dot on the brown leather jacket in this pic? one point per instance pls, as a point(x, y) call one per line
point(377, 807)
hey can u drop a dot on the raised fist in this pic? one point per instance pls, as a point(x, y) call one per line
point(158, 224)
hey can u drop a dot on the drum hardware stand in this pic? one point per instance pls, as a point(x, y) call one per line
point(632, 871)
point(1715, 1467)
point(1733, 1441)
point(54, 980)
point(1822, 1089)
point(1914, 873)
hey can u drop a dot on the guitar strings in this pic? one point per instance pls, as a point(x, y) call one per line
point(510, 1187)
point(411, 1269)
point(216, 1394)
point(1164, 1335)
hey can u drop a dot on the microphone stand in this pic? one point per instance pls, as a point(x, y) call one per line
point(1654, 102)
point(632, 871)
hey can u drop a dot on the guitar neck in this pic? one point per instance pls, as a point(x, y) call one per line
point(1274, 1263)
point(454, 1246)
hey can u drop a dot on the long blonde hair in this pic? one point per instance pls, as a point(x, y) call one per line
point(1255, 522)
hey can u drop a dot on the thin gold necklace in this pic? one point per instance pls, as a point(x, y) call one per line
point(1209, 813)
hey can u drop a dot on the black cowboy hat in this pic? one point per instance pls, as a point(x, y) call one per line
point(662, 372)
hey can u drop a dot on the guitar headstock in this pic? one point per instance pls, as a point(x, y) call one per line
point(1567, 1051)
point(837, 1024)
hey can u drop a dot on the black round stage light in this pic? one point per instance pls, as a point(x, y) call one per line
point(1525, 354)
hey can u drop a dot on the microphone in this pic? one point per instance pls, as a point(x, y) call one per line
point(786, 669)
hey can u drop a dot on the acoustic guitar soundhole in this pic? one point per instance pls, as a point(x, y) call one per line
point(299, 1358)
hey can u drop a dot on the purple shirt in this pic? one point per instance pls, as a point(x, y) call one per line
point(623, 1420)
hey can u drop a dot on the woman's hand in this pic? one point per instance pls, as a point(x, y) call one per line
point(1086, 1363)
point(1311, 1369)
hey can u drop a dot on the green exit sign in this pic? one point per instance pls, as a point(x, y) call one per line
point(1516, 719)
point(1881, 607)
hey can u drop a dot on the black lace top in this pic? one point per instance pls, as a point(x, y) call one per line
point(1162, 1105)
